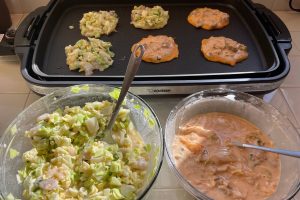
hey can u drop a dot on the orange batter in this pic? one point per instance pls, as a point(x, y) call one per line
point(224, 50)
point(208, 18)
point(158, 49)
point(204, 155)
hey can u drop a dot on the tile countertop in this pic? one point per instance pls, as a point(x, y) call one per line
point(15, 96)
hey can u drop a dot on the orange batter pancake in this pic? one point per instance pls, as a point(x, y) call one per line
point(158, 49)
point(208, 18)
point(224, 50)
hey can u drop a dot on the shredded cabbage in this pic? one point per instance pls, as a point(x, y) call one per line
point(95, 24)
point(88, 55)
point(61, 166)
point(11, 197)
point(13, 153)
point(149, 18)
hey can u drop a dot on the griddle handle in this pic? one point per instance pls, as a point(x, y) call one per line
point(34, 22)
point(25, 31)
point(30, 28)
point(273, 24)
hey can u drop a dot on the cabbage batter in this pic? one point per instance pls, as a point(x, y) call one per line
point(149, 18)
point(95, 24)
point(60, 166)
point(89, 55)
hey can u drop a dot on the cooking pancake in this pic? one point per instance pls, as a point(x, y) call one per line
point(224, 50)
point(208, 18)
point(149, 18)
point(160, 48)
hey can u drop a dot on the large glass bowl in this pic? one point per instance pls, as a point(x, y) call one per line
point(141, 115)
point(251, 108)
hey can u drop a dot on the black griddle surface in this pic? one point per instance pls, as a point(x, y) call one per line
point(51, 60)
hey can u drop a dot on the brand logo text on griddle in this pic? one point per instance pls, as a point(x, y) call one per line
point(160, 90)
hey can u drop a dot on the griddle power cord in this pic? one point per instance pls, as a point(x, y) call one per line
point(291, 6)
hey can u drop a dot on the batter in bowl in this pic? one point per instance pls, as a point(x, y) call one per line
point(205, 156)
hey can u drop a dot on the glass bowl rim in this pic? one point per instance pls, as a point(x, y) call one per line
point(214, 92)
point(162, 143)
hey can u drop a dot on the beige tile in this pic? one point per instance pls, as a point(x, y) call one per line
point(11, 80)
point(10, 106)
point(292, 96)
point(30, 5)
point(13, 58)
point(16, 19)
point(295, 51)
point(291, 19)
point(281, 5)
point(166, 178)
point(24, 16)
point(280, 102)
point(293, 78)
point(284, 5)
point(32, 98)
point(161, 108)
point(174, 194)
point(267, 3)
point(296, 41)
point(15, 6)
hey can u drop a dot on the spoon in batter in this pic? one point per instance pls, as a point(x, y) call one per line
point(132, 67)
point(274, 150)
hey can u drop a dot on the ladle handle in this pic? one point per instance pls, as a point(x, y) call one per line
point(132, 68)
point(279, 151)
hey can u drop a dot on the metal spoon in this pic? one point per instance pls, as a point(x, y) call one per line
point(132, 67)
point(279, 151)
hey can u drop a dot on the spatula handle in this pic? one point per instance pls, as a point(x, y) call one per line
point(279, 151)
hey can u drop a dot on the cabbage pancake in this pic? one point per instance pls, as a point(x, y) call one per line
point(158, 48)
point(89, 55)
point(149, 18)
point(224, 50)
point(208, 18)
point(204, 155)
point(95, 24)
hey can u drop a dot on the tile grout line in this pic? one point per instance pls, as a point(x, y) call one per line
point(289, 86)
point(24, 106)
point(295, 54)
point(19, 22)
point(14, 92)
point(291, 110)
point(16, 25)
point(168, 189)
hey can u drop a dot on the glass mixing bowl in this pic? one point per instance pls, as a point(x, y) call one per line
point(251, 108)
point(13, 137)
